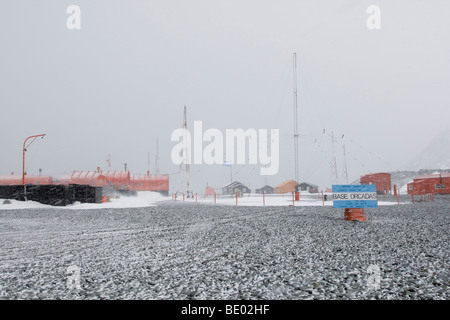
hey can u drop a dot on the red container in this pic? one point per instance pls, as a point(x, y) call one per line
point(352, 214)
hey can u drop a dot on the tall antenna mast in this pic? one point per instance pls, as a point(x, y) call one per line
point(295, 121)
point(157, 158)
point(148, 161)
point(186, 154)
point(334, 174)
point(345, 173)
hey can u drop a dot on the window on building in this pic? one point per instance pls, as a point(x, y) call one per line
point(442, 186)
point(438, 186)
point(410, 187)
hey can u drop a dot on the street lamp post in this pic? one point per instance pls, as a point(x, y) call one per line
point(23, 165)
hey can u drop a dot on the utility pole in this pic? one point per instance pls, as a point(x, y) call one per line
point(295, 120)
point(231, 174)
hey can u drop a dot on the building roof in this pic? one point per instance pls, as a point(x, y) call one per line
point(433, 176)
point(376, 174)
point(286, 182)
point(308, 184)
point(265, 187)
point(286, 186)
point(235, 184)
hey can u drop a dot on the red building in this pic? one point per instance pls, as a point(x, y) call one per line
point(381, 180)
point(121, 180)
point(438, 183)
point(142, 182)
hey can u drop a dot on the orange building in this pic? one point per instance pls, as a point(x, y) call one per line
point(285, 187)
point(209, 191)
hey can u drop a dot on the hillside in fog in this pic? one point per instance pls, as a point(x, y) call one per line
point(435, 156)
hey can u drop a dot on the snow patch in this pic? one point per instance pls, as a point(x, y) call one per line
point(143, 199)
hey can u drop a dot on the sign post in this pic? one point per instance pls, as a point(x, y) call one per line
point(354, 198)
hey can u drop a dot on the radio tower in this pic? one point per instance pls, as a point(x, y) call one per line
point(334, 174)
point(295, 121)
point(344, 172)
point(157, 159)
point(186, 157)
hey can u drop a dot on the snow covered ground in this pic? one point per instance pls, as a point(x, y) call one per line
point(146, 199)
point(188, 251)
point(306, 199)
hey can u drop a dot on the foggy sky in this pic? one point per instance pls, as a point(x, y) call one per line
point(121, 82)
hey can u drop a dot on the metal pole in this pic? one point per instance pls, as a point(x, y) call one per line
point(23, 160)
point(295, 120)
point(231, 174)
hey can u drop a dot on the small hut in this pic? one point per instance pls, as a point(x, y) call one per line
point(304, 186)
point(266, 189)
point(234, 187)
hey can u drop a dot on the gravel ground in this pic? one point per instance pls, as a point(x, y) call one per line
point(176, 251)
